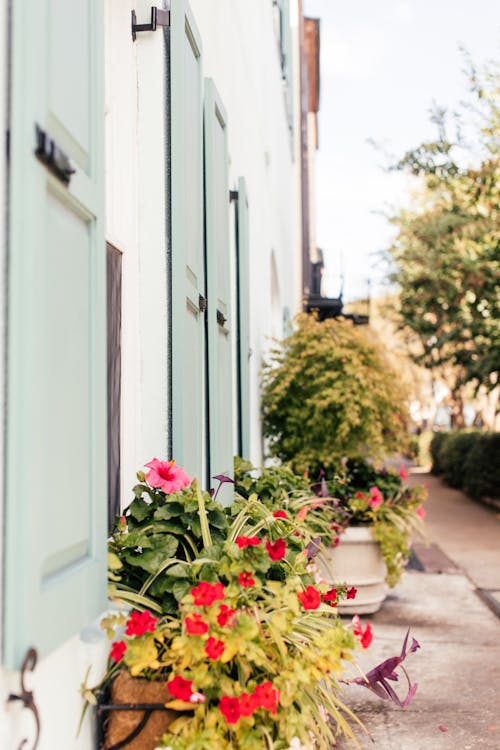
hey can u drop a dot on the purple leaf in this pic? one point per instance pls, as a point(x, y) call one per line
point(223, 478)
point(377, 678)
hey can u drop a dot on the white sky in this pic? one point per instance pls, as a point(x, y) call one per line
point(383, 64)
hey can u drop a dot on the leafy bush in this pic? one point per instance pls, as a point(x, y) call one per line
point(437, 442)
point(482, 467)
point(452, 456)
point(328, 393)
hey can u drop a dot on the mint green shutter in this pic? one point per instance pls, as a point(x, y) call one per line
point(243, 338)
point(188, 282)
point(219, 316)
point(56, 371)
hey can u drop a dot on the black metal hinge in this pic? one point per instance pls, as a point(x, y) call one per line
point(159, 17)
point(233, 195)
point(202, 303)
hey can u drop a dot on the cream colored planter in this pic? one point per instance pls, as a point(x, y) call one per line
point(356, 561)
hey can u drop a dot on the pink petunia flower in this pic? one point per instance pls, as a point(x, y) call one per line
point(421, 512)
point(166, 476)
point(403, 473)
point(376, 498)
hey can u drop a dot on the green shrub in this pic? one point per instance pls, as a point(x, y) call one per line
point(328, 392)
point(453, 455)
point(482, 467)
point(437, 442)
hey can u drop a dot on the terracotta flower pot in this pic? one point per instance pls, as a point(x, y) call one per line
point(120, 724)
point(356, 561)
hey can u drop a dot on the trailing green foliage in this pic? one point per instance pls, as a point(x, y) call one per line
point(360, 493)
point(328, 392)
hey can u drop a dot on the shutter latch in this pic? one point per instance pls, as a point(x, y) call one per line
point(159, 17)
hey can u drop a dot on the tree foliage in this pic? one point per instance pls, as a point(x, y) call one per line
point(328, 392)
point(446, 256)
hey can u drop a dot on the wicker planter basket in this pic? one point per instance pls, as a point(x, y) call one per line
point(136, 717)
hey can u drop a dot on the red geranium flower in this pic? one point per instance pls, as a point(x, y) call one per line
point(247, 541)
point(225, 615)
point(167, 476)
point(180, 688)
point(246, 580)
point(118, 648)
point(214, 648)
point(365, 636)
point(248, 704)
point(351, 592)
point(310, 598)
point(230, 709)
point(140, 622)
point(331, 596)
point(277, 550)
point(206, 593)
point(279, 514)
point(196, 625)
point(267, 697)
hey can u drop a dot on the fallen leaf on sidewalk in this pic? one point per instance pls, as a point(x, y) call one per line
point(442, 728)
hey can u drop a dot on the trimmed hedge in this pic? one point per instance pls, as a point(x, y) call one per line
point(437, 442)
point(482, 467)
point(468, 460)
point(453, 455)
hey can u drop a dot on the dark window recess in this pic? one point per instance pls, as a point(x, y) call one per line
point(114, 316)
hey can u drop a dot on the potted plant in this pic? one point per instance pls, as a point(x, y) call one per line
point(376, 516)
point(361, 522)
point(252, 651)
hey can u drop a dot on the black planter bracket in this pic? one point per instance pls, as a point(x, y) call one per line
point(159, 17)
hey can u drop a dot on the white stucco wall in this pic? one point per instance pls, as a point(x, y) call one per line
point(240, 53)
point(135, 225)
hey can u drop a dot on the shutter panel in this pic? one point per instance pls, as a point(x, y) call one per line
point(219, 319)
point(244, 351)
point(56, 376)
point(187, 243)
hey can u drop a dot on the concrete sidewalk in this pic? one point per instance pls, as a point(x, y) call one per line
point(457, 668)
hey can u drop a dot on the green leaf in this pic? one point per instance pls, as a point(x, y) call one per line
point(179, 571)
point(139, 508)
point(181, 588)
point(169, 510)
point(217, 518)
